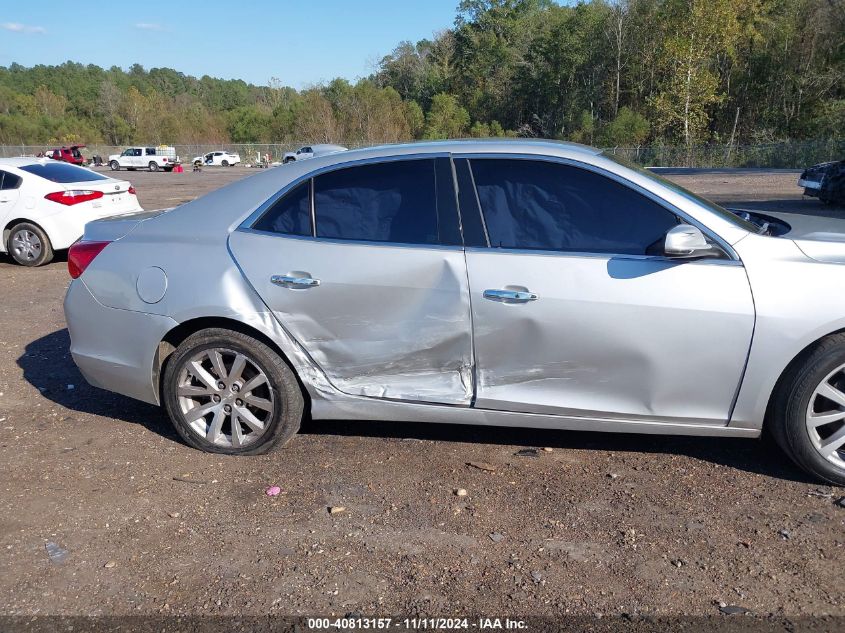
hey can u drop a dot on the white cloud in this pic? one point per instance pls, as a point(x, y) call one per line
point(16, 27)
point(149, 26)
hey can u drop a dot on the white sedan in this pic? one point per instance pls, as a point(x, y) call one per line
point(44, 205)
point(220, 158)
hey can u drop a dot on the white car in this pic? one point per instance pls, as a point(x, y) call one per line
point(310, 151)
point(220, 158)
point(45, 204)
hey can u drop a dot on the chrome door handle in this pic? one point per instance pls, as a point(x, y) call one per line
point(510, 296)
point(286, 281)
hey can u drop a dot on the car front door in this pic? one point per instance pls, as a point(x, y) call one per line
point(576, 310)
point(9, 195)
point(375, 289)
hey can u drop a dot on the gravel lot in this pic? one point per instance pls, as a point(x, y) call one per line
point(590, 524)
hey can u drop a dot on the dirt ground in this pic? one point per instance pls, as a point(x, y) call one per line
point(591, 524)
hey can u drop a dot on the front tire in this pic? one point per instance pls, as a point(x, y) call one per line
point(114, 165)
point(226, 392)
point(29, 245)
point(808, 413)
point(153, 166)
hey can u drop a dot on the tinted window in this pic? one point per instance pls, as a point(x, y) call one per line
point(62, 172)
point(9, 181)
point(549, 206)
point(704, 202)
point(290, 215)
point(385, 202)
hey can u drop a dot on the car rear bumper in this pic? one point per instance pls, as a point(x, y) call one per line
point(114, 349)
point(65, 227)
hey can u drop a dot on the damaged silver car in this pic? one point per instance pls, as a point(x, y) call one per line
point(528, 283)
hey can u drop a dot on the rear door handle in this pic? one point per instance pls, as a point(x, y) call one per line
point(287, 281)
point(510, 296)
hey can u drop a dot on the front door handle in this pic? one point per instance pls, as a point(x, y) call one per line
point(510, 296)
point(288, 281)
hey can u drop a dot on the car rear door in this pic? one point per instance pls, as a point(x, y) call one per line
point(9, 195)
point(363, 265)
point(577, 312)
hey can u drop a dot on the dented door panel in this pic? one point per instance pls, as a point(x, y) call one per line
point(622, 337)
point(385, 321)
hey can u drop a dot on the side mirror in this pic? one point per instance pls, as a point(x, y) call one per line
point(687, 241)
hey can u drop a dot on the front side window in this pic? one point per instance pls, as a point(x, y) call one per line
point(385, 202)
point(530, 204)
point(128, 152)
point(290, 214)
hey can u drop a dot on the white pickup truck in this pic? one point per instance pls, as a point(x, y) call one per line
point(152, 158)
point(310, 151)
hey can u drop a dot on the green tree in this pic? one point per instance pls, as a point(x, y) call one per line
point(629, 129)
point(446, 119)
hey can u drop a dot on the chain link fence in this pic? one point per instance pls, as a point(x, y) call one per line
point(792, 155)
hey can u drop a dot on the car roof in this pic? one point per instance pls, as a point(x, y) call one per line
point(22, 161)
point(465, 146)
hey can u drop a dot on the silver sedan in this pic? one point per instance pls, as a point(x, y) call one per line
point(534, 284)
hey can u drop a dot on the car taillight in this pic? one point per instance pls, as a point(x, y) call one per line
point(131, 190)
point(69, 198)
point(81, 254)
point(164, 160)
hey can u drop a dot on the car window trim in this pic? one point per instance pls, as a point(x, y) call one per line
point(248, 224)
point(727, 248)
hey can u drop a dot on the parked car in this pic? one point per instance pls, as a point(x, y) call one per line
point(530, 283)
point(152, 158)
point(825, 181)
point(220, 158)
point(310, 151)
point(44, 205)
point(70, 154)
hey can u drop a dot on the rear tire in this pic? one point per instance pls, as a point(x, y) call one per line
point(114, 165)
point(153, 166)
point(224, 163)
point(29, 245)
point(201, 380)
point(799, 403)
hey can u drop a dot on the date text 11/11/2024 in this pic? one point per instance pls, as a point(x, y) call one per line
point(352, 623)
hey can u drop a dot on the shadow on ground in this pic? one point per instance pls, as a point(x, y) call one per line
point(48, 366)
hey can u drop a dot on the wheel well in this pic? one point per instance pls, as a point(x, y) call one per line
point(177, 335)
point(7, 230)
point(786, 374)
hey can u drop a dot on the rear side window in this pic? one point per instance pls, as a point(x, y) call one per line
point(290, 214)
point(549, 206)
point(9, 181)
point(386, 202)
point(62, 172)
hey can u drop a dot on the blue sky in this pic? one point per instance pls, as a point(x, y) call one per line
point(300, 42)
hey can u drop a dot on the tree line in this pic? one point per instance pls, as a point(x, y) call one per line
point(603, 72)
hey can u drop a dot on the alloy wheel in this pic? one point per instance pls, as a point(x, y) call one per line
point(825, 417)
point(225, 397)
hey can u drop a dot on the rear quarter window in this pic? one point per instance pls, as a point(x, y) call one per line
point(62, 172)
point(9, 180)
